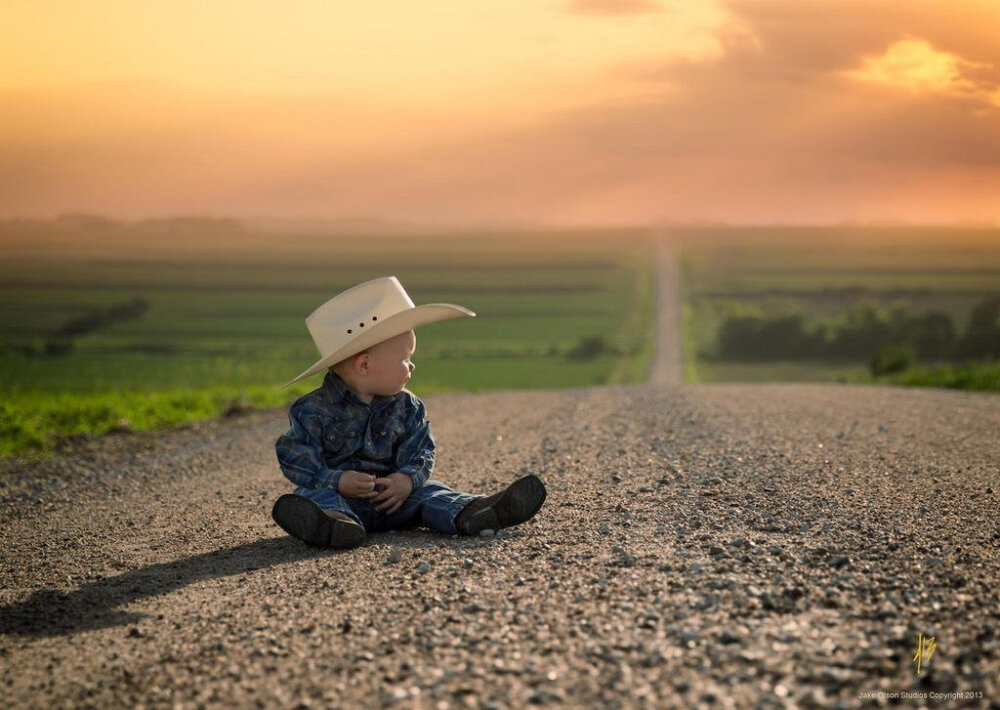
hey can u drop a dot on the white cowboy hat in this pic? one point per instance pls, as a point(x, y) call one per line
point(365, 315)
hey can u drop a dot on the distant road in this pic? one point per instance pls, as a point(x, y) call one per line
point(668, 367)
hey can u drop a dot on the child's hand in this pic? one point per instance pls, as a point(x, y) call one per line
point(354, 484)
point(396, 488)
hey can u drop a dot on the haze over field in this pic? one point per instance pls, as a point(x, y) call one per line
point(563, 112)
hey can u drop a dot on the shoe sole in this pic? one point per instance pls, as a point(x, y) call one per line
point(517, 504)
point(305, 520)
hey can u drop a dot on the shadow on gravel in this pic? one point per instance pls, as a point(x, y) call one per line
point(52, 612)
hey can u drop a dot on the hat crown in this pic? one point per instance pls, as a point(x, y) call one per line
point(348, 314)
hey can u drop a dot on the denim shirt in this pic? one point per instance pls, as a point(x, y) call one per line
point(333, 431)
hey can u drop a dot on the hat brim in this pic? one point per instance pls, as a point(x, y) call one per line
point(385, 329)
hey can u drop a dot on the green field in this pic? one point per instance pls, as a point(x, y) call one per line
point(220, 321)
point(820, 273)
point(224, 321)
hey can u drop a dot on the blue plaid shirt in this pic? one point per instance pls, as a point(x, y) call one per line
point(333, 431)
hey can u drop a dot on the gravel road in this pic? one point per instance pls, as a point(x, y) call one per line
point(725, 546)
point(668, 367)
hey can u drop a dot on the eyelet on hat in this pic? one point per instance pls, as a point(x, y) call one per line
point(349, 331)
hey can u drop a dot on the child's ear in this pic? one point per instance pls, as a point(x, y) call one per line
point(362, 363)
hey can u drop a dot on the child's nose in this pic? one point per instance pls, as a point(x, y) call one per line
point(412, 367)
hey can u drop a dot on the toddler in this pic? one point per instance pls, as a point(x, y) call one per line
point(360, 448)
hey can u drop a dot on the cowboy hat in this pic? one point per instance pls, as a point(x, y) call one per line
point(364, 316)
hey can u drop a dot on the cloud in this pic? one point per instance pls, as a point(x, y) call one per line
point(914, 65)
point(613, 7)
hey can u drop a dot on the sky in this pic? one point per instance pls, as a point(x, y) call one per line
point(547, 112)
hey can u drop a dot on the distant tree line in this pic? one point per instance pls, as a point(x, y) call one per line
point(862, 331)
point(94, 319)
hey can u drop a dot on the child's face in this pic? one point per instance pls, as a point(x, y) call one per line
point(390, 364)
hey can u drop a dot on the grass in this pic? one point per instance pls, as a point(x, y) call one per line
point(225, 322)
point(29, 422)
point(781, 371)
point(981, 377)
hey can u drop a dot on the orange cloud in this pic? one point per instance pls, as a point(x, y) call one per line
point(916, 66)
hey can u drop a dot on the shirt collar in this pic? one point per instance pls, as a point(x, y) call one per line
point(338, 391)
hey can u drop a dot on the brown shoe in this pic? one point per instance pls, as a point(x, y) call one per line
point(513, 505)
point(305, 520)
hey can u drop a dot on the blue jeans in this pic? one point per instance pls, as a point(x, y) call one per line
point(434, 505)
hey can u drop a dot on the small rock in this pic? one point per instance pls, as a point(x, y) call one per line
point(687, 637)
point(423, 568)
point(626, 560)
point(707, 602)
point(540, 697)
point(727, 637)
point(395, 555)
point(840, 561)
point(488, 533)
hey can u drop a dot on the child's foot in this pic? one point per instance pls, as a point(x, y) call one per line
point(303, 519)
point(513, 505)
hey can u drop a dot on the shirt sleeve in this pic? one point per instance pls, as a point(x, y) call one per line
point(300, 452)
point(415, 455)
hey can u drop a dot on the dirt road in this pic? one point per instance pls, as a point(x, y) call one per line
point(730, 546)
point(667, 367)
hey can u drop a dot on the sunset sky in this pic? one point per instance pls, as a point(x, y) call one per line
point(561, 112)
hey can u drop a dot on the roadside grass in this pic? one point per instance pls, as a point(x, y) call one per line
point(225, 329)
point(30, 421)
point(782, 371)
point(980, 377)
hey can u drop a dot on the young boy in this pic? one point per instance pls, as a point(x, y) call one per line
point(360, 448)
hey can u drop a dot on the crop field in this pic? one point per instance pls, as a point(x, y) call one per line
point(99, 331)
point(820, 273)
